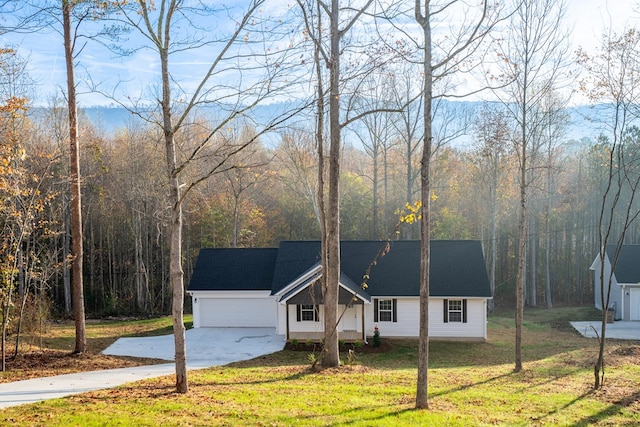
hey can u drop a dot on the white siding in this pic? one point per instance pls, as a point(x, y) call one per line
point(233, 309)
point(259, 309)
point(408, 324)
point(476, 325)
point(304, 326)
point(351, 320)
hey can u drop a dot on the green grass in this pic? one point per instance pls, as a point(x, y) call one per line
point(100, 334)
point(469, 384)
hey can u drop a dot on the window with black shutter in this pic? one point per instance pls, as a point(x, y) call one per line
point(385, 310)
point(307, 313)
point(455, 310)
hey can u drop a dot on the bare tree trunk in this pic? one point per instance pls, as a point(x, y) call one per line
point(375, 233)
point(522, 228)
point(547, 227)
point(522, 242)
point(320, 105)
point(532, 251)
point(409, 188)
point(494, 229)
point(331, 354)
point(74, 171)
point(175, 243)
point(236, 220)
point(66, 273)
point(422, 391)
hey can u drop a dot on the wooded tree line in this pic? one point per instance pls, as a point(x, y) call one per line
point(269, 195)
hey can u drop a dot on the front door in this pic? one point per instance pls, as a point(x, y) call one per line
point(634, 304)
point(349, 321)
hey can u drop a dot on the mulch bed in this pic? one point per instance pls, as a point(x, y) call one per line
point(344, 348)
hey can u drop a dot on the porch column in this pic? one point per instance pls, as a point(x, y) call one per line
point(286, 310)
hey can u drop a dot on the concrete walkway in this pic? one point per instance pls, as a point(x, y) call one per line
point(617, 330)
point(205, 347)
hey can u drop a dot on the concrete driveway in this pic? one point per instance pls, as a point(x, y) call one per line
point(617, 330)
point(205, 347)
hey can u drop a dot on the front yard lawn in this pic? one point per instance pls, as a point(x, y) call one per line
point(469, 384)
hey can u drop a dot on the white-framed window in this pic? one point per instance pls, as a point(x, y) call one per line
point(455, 310)
point(385, 310)
point(308, 313)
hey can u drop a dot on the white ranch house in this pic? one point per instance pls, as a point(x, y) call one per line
point(278, 288)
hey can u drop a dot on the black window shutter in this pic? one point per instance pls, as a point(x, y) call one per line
point(445, 309)
point(316, 313)
point(375, 310)
point(298, 312)
point(395, 310)
point(464, 311)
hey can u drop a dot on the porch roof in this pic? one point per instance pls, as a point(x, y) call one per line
point(309, 292)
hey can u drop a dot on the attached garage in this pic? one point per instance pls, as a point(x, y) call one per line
point(254, 309)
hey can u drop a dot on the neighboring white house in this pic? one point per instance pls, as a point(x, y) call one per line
point(280, 288)
point(624, 298)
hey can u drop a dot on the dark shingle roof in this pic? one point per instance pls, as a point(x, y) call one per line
point(628, 266)
point(233, 269)
point(457, 266)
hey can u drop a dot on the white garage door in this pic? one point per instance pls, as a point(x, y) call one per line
point(238, 312)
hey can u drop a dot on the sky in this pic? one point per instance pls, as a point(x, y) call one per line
point(587, 18)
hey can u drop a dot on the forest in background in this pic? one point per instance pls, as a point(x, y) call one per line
point(269, 195)
point(266, 191)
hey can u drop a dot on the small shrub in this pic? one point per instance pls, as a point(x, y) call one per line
point(308, 343)
point(313, 359)
point(340, 343)
point(358, 344)
point(376, 337)
point(294, 342)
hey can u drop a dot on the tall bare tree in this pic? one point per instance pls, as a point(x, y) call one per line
point(554, 122)
point(158, 24)
point(439, 61)
point(534, 53)
point(614, 79)
point(377, 137)
point(329, 54)
point(74, 177)
point(409, 126)
point(493, 134)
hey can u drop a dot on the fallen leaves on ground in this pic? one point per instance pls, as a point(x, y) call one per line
point(46, 363)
